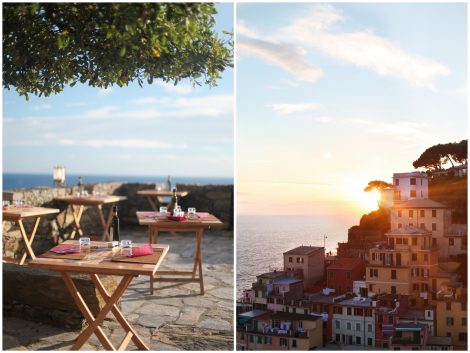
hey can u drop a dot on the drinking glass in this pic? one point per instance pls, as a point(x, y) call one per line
point(191, 212)
point(163, 209)
point(85, 243)
point(126, 247)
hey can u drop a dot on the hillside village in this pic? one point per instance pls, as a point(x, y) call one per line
point(393, 290)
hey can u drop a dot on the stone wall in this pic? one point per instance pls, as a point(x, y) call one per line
point(53, 229)
point(41, 296)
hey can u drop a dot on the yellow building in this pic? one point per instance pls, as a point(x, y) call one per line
point(404, 265)
point(308, 262)
point(451, 316)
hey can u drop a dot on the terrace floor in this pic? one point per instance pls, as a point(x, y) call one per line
point(176, 317)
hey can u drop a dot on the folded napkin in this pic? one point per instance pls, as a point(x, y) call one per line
point(176, 218)
point(66, 249)
point(141, 251)
point(202, 214)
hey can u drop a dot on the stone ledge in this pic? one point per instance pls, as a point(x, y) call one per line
point(41, 296)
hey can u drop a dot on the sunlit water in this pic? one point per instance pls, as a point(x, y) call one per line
point(261, 241)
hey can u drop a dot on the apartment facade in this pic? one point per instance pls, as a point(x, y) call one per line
point(341, 274)
point(353, 322)
point(410, 186)
point(307, 262)
point(451, 314)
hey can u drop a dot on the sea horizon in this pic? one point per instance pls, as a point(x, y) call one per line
point(13, 181)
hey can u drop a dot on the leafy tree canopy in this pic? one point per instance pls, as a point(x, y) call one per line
point(377, 184)
point(47, 46)
point(438, 155)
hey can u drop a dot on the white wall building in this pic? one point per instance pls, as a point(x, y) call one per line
point(412, 185)
point(353, 322)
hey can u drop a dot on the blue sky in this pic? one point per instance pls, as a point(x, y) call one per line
point(330, 97)
point(160, 129)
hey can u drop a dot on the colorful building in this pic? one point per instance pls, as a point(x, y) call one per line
point(388, 307)
point(341, 274)
point(263, 286)
point(409, 337)
point(307, 263)
point(284, 291)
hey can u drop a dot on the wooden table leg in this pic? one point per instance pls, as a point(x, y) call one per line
point(152, 204)
point(153, 239)
point(28, 242)
point(199, 260)
point(76, 221)
point(105, 224)
point(120, 318)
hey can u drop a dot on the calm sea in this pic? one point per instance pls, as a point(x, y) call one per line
point(14, 181)
point(261, 240)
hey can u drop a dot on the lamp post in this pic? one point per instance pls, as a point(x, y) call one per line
point(58, 175)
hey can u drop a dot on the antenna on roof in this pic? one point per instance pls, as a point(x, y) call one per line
point(324, 241)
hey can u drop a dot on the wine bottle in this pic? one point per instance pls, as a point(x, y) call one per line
point(169, 183)
point(173, 203)
point(80, 186)
point(114, 229)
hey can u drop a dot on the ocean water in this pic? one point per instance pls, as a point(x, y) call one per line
point(15, 181)
point(261, 241)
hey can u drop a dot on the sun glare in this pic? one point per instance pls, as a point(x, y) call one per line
point(370, 200)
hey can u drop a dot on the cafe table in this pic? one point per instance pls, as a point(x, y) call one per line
point(97, 201)
point(17, 214)
point(158, 195)
point(100, 260)
point(158, 222)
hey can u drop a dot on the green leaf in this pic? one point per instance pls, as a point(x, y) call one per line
point(122, 52)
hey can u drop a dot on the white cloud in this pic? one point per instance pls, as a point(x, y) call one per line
point(121, 143)
point(150, 100)
point(178, 89)
point(290, 58)
point(361, 48)
point(289, 108)
point(39, 107)
point(104, 91)
point(323, 119)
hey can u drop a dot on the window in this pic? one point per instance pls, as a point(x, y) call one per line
point(449, 321)
point(414, 241)
point(393, 274)
point(421, 213)
point(410, 213)
point(410, 224)
point(462, 336)
point(290, 258)
point(405, 240)
point(414, 257)
point(337, 310)
point(301, 324)
point(260, 339)
point(358, 312)
point(348, 325)
point(413, 302)
point(337, 324)
point(464, 321)
point(399, 225)
point(390, 319)
point(358, 326)
point(358, 340)
point(369, 327)
point(448, 306)
point(412, 181)
point(267, 340)
point(371, 287)
point(397, 182)
point(393, 289)
point(337, 339)
point(283, 342)
point(251, 338)
point(294, 343)
point(348, 289)
point(451, 241)
point(349, 311)
point(348, 275)
point(434, 226)
point(369, 341)
point(422, 226)
point(415, 287)
point(434, 213)
point(463, 306)
point(412, 193)
point(448, 334)
point(399, 241)
point(331, 274)
point(399, 213)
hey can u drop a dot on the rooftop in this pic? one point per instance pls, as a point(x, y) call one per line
point(304, 250)
point(345, 263)
point(287, 281)
point(321, 298)
point(418, 203)
point(410, 174)
point(410, 326)
point(272, 275)
point(412, 314)
point(280, 315)
point(358, 301)
point(254, 313)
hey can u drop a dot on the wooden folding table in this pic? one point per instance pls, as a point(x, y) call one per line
point(16, 214)
point(99, 261)
point(159, 223)
point(93, 200)
point(159, 195)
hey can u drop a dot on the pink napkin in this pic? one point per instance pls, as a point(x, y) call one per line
point(150, 215)
point(66, 249)
point(141, 251)
point(202, 214)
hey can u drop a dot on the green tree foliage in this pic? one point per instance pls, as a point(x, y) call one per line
point(438, 155)
point(377, 185)
point(47, 46)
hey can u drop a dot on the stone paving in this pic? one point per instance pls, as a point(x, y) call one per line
point(176, 317)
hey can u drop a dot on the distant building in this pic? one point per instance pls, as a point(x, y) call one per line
point(341, 274)
point(456, 239)
point(307, 262)
point(284, 291)
point(409, 186)
point(264, 286)
point(409, 336)
point(404, 265)
point(388, 307)
point(353, 322)
point(245, 303)
point(264, 330)
point(424, 316)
